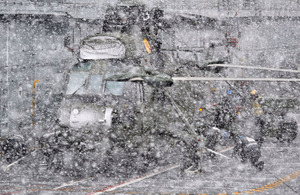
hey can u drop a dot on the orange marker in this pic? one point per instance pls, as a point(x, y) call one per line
point(33, 87)
point(147, 46)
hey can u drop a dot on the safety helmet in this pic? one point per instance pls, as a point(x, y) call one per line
point(253, 92)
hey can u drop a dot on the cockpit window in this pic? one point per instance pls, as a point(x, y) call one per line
point(95, 84)
point(83, 66)
point(114, 87)
point(77, 82)
point(82, 83)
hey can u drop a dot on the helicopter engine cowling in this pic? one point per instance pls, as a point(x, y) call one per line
point(102, 47)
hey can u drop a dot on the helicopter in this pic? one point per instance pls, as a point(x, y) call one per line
point(99, 96)
point(117, 88)
point(119, 103)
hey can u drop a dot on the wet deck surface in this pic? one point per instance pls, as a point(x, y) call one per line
point(281, 175)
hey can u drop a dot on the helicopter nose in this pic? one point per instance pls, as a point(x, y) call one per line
point(90, 116)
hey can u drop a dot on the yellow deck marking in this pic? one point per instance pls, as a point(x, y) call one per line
point(272, 185)
point(255, 190)
point(250, 191)
point(259, 189)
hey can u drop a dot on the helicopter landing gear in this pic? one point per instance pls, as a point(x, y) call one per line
point(12, 149)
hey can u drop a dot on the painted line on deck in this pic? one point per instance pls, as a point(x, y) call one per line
point(271, 185)
point(226, 149)
point(266, 187)
point(110, 189)
point(70, 183)
point(134, 180)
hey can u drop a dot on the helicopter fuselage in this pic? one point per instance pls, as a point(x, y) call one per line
point(90, 100)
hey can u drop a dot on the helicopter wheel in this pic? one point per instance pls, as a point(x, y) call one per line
point(71, 164)
point(12, 149)
point(124, 161)
point(69, 156)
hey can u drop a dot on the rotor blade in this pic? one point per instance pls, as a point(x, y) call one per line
point(232, 79)
point(252, 67)
point(136, 79)
point(224, 79)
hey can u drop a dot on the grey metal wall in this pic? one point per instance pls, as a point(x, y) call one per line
point(214, 8)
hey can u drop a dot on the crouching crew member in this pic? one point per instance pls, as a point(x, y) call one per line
point(248, 150)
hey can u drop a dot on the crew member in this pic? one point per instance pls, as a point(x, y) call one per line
point(225, 115)
point(257, 102)
point(257, 111)
point(248, 150)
